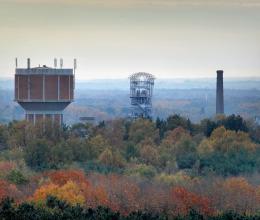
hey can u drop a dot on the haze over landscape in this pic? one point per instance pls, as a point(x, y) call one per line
point(111, 39)
point(161, 120)
point(186, 41)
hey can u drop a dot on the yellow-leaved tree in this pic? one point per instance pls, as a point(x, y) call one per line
point(69, 192)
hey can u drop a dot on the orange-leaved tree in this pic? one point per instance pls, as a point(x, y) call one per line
point(123, 194)
point(183, 201)
point(61, 177)
point(73, 187)
point(239, 195)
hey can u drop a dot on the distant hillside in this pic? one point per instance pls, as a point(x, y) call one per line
point(210, 83)
point(123, 84)
point(107, 104)
point(106, 99)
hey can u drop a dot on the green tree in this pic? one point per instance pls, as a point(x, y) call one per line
point(3, 137)
point(175, 121)
point(142, 170)
point(18, 135)
point(60, 155)
point(81, 130)
point(37, 154)
point(142, 129)
point(234, 123)
point(168, 148)
point(208, 126)
point(17, 177)
point(185, 151)
point(111, 158)
point(228, 152)
point(78, 148)
point(132, 151)
point(161, 125)
point(114, 133)
point(148, 153)
point(95, 146)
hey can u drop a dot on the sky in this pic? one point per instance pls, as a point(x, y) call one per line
point(114, 38)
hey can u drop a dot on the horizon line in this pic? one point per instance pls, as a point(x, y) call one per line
point(157, 78)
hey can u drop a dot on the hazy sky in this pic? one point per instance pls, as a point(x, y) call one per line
point(113, 38)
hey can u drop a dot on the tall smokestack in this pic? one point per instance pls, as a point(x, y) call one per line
point(28, 63)
point(16, 62)
point(220, 93)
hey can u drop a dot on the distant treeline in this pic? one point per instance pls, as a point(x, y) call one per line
point(225, 145)
point(195, 104)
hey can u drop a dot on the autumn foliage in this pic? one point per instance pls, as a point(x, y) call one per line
point(172, 167)
point(126, 195)
point(183, 201)
point(240, 195)
point(69, 192)
point(61, 177)
point(122, 193)
point(6, 167)
point(9, 190)
point(71, 186)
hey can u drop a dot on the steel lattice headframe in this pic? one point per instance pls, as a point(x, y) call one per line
point(142, 75)
point(141, 91)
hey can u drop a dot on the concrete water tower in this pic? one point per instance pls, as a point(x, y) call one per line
point(44, 92)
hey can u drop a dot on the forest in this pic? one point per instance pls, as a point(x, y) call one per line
point(131, 169)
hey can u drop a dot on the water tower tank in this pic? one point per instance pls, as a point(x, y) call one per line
point(44, 92)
